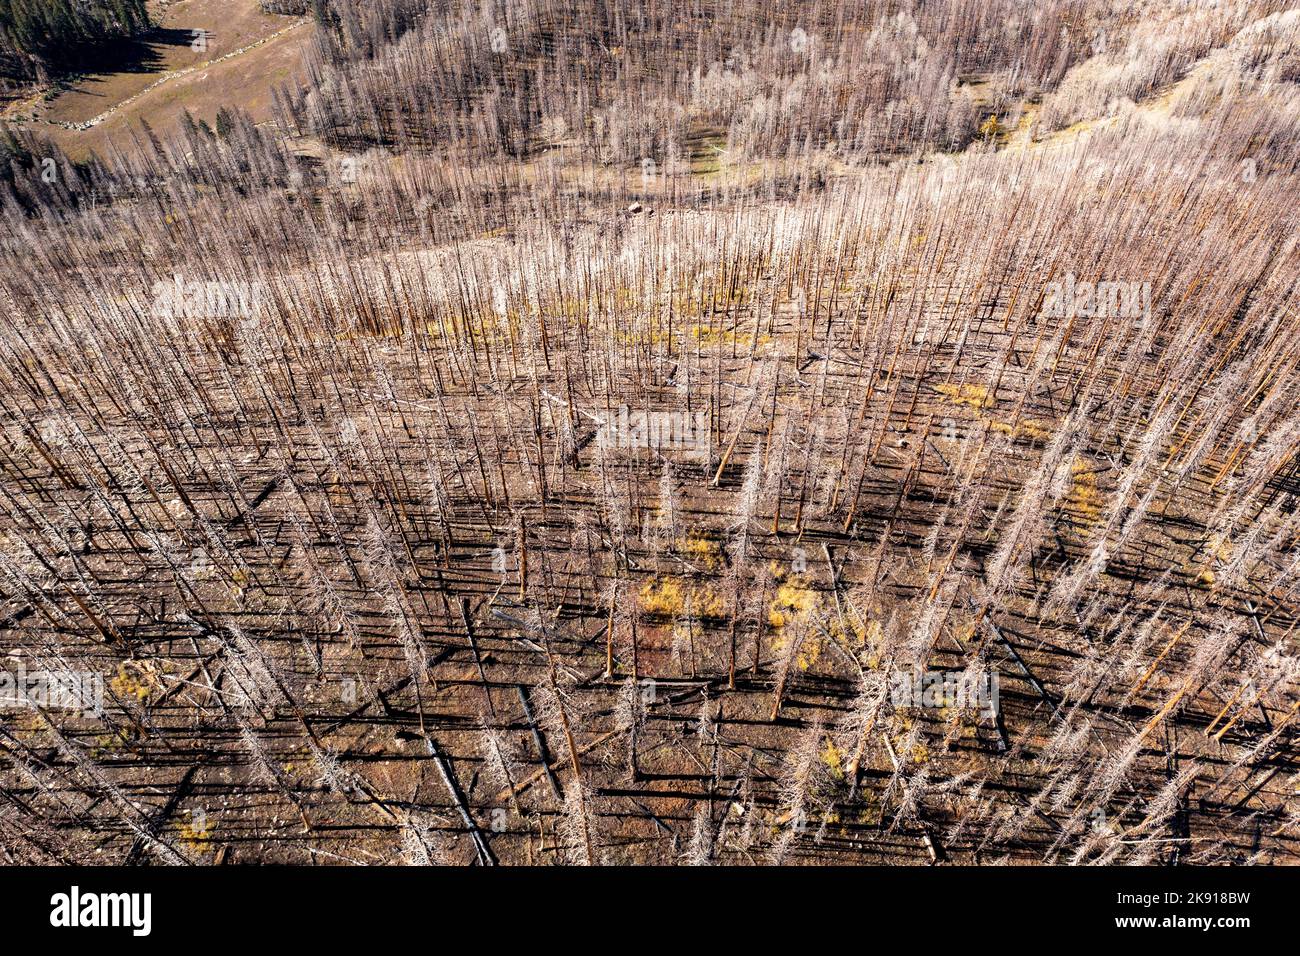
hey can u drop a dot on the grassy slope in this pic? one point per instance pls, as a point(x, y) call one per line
point(176, 77)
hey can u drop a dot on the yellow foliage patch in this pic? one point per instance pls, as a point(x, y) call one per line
point(1026, 428)
point(833, 757)
point(663, 596)
point(1084, 498)
point(195, 835)
point(701, 550)
point(669, 597)
point(706, 602)
point(809, 651)
point(976, 396)
point(792, 600)
point(853, 632)
point(135, 679)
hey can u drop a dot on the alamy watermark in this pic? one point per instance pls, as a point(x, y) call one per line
point(75, 909)
point(1071, 299)
point(221, 299)
point(962, 690)
point(65, 690)
point(660, 430)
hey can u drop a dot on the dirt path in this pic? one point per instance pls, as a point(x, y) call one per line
point(22, 106)
point(175, 74)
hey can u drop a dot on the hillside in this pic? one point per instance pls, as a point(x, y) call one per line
point(596, 433)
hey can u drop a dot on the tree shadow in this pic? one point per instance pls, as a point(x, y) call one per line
point(137, 54)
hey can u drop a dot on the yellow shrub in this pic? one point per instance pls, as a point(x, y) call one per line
point(668, 597)
point(701, 550)
point(663, 596)
point(833, 757)
point(1084, 498)
point(976, 396)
